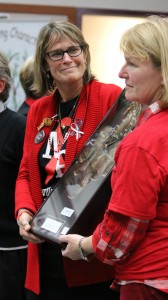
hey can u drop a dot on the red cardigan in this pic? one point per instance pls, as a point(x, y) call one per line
point(95, 100)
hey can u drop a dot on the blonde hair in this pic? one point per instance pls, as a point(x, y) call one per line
point(5, 74)
point(50, 34)
point(26, 77)
point(149, 40)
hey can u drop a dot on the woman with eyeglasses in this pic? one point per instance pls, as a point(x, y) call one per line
point(62, 72)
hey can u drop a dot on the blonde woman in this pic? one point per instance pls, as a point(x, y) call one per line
point(132, 237)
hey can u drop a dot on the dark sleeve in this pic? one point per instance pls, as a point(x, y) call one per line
point(19, 133)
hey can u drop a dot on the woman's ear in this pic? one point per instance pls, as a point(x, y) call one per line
point(2, 85)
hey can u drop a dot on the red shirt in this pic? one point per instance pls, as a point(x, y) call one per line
point(134, 238)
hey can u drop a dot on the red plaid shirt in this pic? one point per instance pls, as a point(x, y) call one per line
point(118, 236)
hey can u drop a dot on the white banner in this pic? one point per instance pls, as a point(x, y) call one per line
point(18, 40)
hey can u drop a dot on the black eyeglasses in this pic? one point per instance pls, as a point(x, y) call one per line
point(58, 54)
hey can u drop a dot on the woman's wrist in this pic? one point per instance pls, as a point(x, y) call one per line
point(21, 211)
point(83, 254)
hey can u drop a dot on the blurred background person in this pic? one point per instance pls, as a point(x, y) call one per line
point(26, 77)
point(13, 249)
point(78, 101)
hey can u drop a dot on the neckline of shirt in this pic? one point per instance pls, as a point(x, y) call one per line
point(2, 106)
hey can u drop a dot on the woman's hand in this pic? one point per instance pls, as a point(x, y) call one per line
point(73, 248)
point(24, 228)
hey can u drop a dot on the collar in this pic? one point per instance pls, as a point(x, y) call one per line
point(2, 106)
point(152, 110)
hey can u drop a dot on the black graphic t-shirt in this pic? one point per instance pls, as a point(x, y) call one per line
point(46, 154)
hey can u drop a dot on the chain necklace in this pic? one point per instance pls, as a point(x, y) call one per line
point(64, 126)
point(71, 114)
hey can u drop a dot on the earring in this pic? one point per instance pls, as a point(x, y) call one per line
point(50, 81)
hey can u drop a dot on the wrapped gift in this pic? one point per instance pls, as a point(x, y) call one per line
point(78, 201)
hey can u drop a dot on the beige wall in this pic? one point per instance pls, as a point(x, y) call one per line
point(103, 35)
